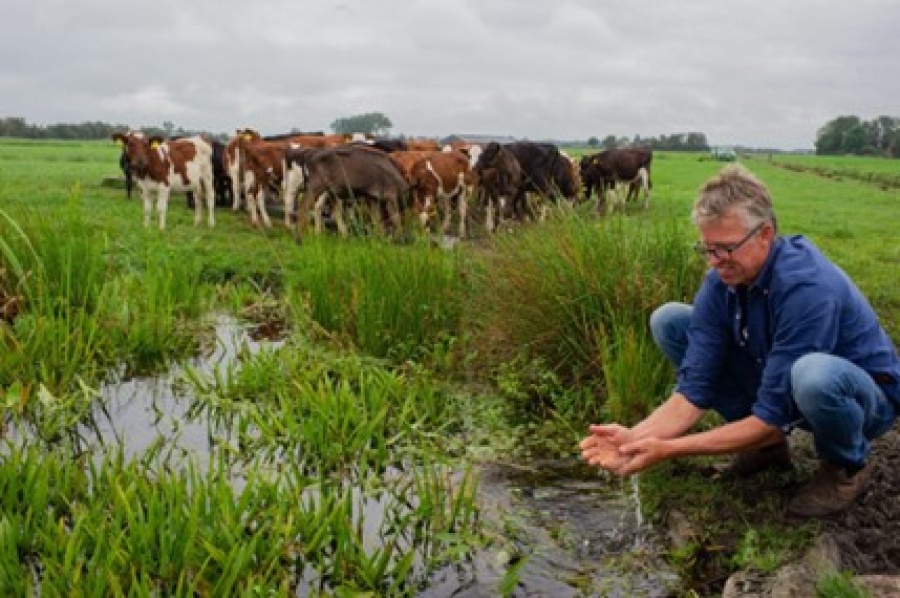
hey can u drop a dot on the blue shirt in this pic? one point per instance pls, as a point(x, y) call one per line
point(799, 303)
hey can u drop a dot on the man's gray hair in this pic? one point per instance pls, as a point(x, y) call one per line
point(733, 188)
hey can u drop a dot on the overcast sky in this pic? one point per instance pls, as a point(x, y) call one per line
point(764, 73)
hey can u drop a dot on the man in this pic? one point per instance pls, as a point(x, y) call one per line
point(778, 338)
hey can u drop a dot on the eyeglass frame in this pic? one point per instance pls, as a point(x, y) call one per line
point(721, 252)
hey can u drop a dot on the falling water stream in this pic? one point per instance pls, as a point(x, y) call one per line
point(579, 532)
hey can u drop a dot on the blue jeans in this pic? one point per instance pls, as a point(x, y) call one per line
point(837, 400)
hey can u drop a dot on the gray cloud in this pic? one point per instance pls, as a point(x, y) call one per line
point(766, 73)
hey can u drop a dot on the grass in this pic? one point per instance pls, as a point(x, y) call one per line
point(403, 363)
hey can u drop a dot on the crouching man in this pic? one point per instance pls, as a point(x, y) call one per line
point(778, 338)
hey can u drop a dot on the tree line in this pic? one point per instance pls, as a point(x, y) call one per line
point(685, 142)
point(852, 135)
point(18, 127)
point(843, 135)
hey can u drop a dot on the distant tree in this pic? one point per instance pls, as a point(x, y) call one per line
point(881, 133)
point(371, 123)
point(610, 142)
point(831, 138)
point(696, 142)
point(593, 141)
point(14, 127)
point(855, 140)
point(893, 144)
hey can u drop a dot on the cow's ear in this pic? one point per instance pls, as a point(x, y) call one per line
point(119, 141)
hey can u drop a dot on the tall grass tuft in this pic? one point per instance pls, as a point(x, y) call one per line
point(576, 295)
point(80, 313)
point(56, 268)
point(387, 300)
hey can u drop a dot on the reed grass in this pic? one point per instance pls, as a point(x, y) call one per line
point(574, 297)
point(387, 300)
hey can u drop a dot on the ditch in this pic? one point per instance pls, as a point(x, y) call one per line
point(558, 528)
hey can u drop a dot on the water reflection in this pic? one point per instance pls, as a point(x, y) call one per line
point(142, 412)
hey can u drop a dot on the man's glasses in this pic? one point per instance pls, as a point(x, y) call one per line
point(722, 252)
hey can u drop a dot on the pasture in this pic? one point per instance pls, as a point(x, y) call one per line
point(400, 366)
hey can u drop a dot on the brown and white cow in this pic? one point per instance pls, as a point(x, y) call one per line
point(183, 164)
point(262, 170)
point(233, 164)
point(438, 179)
point(236, 166)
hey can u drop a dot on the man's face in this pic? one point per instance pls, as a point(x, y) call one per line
point(737, 252)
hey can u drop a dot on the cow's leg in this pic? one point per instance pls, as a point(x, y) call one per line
point(303, 211)
point(235, 189)
point(424, 209)
point(376, 207)
point(610, 193)
point(338, 212)
point(148, 205)
point(210, 202)
point(261, 205)
point(463, 209)
point(317, 212)
point(162, 204)
point(250, 192)
point(489, 214)
point(393, 207)
point(197, 194)
point(645, 184)
point(290, 195)
point(446, 207)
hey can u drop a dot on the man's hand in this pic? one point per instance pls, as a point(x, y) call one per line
point(601, 448)
point(641, 454)
point(610, 447)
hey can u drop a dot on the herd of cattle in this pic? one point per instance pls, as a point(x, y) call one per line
point(510, 181)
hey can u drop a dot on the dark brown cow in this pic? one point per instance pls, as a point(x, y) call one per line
point(501, 185)
point(349, 173)
point(182, 164)
point(606, 169)
point(547, 172)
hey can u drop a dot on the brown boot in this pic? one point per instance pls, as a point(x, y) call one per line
point(831, 490)
point(747, 463)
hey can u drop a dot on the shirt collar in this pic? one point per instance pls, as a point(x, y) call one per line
point(764, 278)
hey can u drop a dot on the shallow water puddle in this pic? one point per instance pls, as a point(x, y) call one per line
point(146, 410)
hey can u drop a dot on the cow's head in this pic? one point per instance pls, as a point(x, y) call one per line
point(136, 147)
point(489, 156)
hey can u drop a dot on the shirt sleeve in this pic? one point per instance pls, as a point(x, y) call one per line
point(707, 345)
